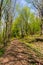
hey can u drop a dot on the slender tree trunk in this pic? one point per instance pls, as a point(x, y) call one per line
point(5, 36)
point(42, 27)
point(1, 3)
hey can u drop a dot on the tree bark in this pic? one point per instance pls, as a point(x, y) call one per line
point(42, 27)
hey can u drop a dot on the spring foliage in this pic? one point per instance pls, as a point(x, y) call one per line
point(26, 23)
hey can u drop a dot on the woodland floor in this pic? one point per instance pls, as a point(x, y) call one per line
point(17, 53)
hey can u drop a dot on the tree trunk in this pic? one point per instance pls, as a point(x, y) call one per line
point(1, 3)
point(42, 27)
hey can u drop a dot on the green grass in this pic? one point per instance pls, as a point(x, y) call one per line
point(33, 63)
point(32, 45)
point(1, 52)
point(34, 49)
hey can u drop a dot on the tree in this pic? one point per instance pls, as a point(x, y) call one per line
point(26, 23)
point(8, 11)
point(1, 4)
point(34, 25)
point(38, 4)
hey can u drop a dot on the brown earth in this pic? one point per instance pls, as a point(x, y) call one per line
point(17, 53)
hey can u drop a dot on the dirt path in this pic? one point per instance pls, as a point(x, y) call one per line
point(18, 54)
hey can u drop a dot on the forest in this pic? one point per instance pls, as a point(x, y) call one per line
point(21, 32)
